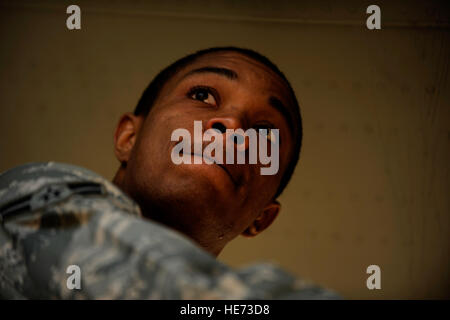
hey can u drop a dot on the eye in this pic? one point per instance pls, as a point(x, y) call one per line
point(266, 132)
point(203, 94)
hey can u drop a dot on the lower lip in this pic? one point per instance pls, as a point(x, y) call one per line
point(213, 163)
point(204, 158)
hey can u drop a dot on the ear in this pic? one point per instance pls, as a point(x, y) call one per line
point(125, 135)
point(264, 220)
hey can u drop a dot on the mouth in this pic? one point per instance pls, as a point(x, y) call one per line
point(224, 168)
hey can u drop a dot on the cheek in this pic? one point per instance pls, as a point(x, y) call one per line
point(154, 145)
point(261, 190)
point(267, 187)
point(168, 118)
point(158, 129)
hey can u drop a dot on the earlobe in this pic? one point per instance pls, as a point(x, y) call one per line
point(125, 136)
point(264, 220)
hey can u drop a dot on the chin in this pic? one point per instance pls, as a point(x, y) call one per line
point(181, 194)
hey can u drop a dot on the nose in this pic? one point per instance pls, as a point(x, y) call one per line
point(222, 124)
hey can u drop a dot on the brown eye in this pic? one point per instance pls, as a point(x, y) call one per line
point(268, 134)
point(203, 95)
point(265, 132)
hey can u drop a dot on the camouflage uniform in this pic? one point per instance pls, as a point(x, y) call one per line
point(55, 215)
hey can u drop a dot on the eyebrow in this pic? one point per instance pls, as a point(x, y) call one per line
point(232, 75)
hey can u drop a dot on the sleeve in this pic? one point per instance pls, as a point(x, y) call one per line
point(95, 245)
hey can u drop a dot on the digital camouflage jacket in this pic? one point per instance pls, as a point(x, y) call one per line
point(55, 216)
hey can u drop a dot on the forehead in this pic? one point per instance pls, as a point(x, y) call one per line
point(251, 72)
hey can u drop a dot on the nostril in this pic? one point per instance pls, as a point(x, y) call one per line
point(237, 138)
point(219, 127)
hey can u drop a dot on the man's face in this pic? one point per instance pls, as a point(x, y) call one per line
point(211, 203)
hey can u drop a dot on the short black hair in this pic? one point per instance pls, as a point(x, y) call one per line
point(151, 94)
